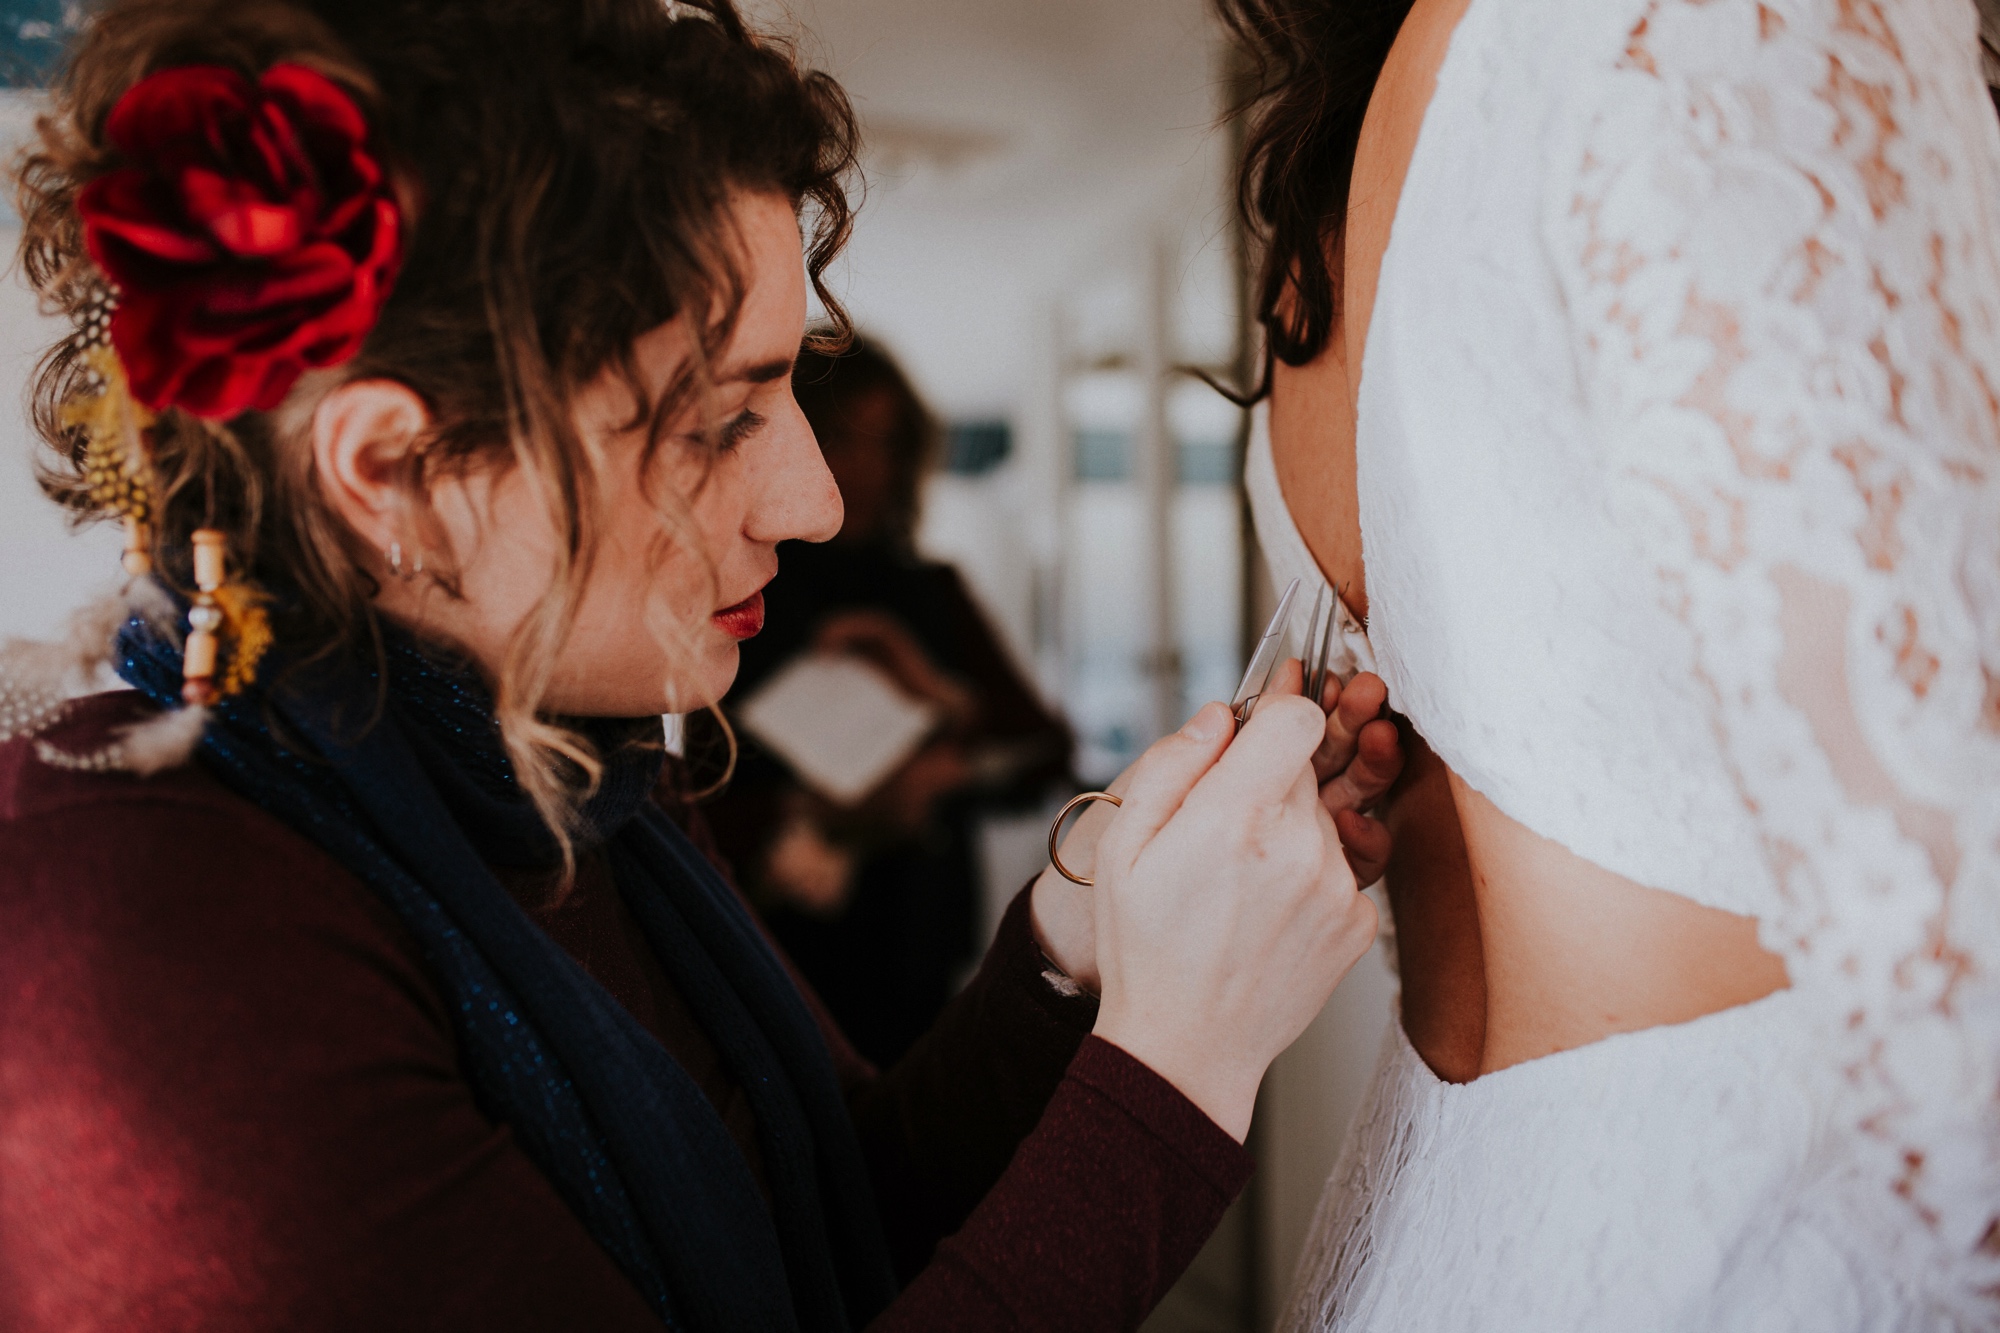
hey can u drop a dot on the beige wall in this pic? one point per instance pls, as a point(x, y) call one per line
point(45, 570)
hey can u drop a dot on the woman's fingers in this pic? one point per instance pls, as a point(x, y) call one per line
point(1349, 709)
point(1161, 780)
point(1377, 763)
point(1361, 702)
point(1366, 843)
point(1256, 770)
point(1271, 752)
point(1289, 678)
point(1223, 935)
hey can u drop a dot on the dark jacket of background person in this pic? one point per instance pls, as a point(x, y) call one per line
point(232, 1098)
point(886, 951)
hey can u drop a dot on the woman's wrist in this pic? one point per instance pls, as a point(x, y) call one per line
point(1221, 1088)
point(1063, 913)
point(1059, 915)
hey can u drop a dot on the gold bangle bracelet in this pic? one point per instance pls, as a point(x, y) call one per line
point(1055, 832)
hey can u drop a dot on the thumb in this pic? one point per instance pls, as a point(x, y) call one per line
point(1161, 780)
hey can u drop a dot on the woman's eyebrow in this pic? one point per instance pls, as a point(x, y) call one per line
point(762, 373)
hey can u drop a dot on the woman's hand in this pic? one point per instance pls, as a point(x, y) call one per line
point(807, 869)
point(1225, 913)
point(1359, 758)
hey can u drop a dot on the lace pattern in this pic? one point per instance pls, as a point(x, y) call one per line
point(1680, 491)
point(1527, 1222)
point(1782, 255)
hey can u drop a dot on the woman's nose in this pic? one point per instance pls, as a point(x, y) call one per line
point(798, 499)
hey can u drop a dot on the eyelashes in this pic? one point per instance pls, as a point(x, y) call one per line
point(729, 435)
point(739, 428)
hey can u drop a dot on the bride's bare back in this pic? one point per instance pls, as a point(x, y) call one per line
point(1510, 946)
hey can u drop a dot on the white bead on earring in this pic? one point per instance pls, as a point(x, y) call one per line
point(396, 559)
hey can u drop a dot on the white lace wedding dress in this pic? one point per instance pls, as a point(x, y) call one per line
point(1680, 493)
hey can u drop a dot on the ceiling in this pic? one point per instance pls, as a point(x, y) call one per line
point(1018, 150)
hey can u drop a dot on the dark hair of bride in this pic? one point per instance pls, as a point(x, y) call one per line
point(1314, 64)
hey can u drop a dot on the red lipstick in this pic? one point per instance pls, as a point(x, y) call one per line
point(743, 620)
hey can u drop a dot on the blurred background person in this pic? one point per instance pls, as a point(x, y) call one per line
point(878, 900)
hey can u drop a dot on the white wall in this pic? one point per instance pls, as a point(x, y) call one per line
point(46, 570)
point(1016, 148)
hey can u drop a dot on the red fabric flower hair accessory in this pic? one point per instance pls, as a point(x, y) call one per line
point(251, 233)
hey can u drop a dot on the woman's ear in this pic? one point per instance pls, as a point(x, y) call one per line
point(365, 435)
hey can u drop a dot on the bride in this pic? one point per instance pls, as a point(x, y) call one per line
point(1637, 375)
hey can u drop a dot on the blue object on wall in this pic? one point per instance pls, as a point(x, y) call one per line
point(1207, 462)
point(33, 37)
point(1103, 455)
point(974, 447)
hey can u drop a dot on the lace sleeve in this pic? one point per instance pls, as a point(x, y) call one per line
point(1781, 258)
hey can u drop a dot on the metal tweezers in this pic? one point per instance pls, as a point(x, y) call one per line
point(1256, 678)
point(1317, 650)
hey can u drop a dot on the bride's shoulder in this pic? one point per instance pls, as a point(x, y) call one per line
point(1806, 156)
point(1872, 66)
point(1594, 57)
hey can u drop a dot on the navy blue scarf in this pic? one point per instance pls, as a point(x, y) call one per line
point(419, 805)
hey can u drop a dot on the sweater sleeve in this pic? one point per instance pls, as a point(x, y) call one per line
point(940, 1127)
point(347, 1178)
point(1075, 1185)
point(1103, 1207)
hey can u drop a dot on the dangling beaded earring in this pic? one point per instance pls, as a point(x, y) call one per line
point(211, 549)
point(117, 474)
point(222, 608)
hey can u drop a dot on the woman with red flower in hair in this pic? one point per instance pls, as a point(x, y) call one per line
point(359, 966)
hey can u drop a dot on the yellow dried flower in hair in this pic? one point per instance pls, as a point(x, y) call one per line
point(248, 633)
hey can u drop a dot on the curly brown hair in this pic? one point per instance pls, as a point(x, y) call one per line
point(1315, 65)
point(566, 169)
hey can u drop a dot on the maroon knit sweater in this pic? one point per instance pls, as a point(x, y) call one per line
point(231, 1099)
